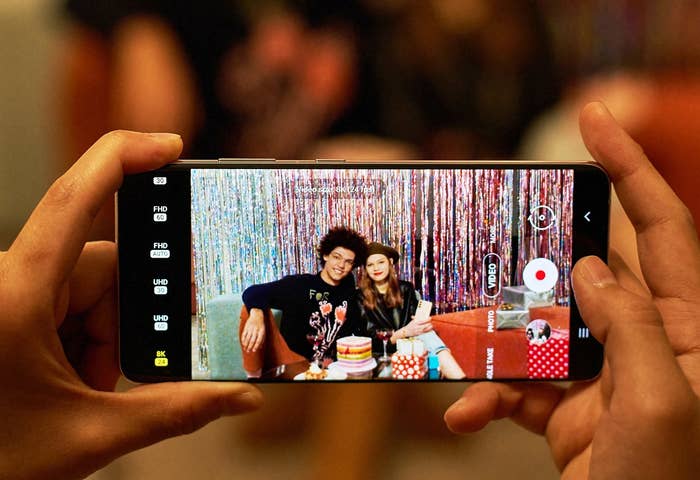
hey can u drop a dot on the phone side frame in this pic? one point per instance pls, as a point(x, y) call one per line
point(601, 250)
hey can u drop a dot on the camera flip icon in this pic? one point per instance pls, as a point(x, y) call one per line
point(542, 217)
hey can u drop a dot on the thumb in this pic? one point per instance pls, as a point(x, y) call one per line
point(631, 328)
point(150, 413)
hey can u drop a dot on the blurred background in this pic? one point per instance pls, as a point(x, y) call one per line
point(429, 79)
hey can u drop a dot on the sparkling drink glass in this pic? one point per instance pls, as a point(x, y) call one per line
point(384, 335)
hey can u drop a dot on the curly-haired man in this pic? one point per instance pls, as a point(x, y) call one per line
point(305, 298)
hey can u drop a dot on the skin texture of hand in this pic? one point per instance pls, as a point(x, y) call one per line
point(415, 328)
point(253, 334)
point(58, 359)
point(641, 418)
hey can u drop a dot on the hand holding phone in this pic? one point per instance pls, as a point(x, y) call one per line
point(420, 322)
point(58, 333)
point(423, 310)
point(639, 419)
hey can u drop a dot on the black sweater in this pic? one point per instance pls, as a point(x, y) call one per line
point(299, 297)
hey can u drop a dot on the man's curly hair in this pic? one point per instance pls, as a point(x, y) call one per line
point(346, 238)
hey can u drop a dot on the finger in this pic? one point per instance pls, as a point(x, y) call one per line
point(151, 413)
point(53, 237)
point(99, 366)
point(256, 340)
point(251, 332)
point(529, 405)
point(666, 237)
point(259, 341)
point(639, 353)
point(92, 276)
point(245, 340)
point(625, 276)
point(252, 339)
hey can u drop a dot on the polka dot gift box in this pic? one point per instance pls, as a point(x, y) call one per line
point(409, 361)
point(549, 359)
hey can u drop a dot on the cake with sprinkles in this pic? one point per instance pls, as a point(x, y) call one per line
point(355, 354)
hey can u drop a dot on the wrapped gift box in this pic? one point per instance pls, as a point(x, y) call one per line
point(410, 346)
point(408, 367)
point(549, 359)
point(522, 296)
point(409, 361)
point(511, 316)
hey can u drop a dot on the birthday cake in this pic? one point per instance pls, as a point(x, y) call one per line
point(409, 361)
point(355, 354)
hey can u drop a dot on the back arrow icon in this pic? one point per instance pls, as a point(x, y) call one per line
point(586, 216)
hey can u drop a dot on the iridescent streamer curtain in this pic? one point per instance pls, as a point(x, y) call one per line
point(253, 226)
point(471, 218)
point(553, 189)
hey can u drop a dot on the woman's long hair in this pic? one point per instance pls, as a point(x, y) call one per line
point(370, 294)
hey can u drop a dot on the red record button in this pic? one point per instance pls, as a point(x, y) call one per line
point(540, 275)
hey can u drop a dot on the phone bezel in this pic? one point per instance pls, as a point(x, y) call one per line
point(591, 182)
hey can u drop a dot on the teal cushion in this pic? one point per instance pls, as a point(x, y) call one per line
point(223, 319)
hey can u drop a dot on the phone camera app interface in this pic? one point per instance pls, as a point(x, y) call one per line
point(380, 274)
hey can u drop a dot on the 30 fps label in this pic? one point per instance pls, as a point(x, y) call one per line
point(160, 286)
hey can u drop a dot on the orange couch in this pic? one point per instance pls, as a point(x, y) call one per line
point(469, 336)
point(274, 350)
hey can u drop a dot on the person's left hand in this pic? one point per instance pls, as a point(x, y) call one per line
point(58, 360)
point(417, 327)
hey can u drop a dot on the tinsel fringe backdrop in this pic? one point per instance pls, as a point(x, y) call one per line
point(253, 226)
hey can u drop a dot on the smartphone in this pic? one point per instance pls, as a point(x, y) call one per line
point(226, 270)
point(423, 310)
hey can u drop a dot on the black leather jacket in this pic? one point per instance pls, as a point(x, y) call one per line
point(382, 317)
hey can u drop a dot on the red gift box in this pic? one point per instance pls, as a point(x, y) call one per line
point(408, 367)
point(549, 359)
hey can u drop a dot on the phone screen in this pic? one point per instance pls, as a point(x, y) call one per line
point(256, 272)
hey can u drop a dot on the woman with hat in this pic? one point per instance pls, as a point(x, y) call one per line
point(387, 303)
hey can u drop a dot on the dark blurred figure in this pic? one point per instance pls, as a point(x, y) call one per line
point(456, 78)
point(249, 79)
point(232, 77)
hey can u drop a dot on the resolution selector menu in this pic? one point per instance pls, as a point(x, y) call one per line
point(154, 265)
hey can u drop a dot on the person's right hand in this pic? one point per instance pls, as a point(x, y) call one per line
point(253, 334)
point(641, 418)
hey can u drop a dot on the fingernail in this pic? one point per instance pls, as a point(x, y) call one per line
point(164, 136)
point(251, 399)
point(596, 272)
point(457, 404)
point(241, 400)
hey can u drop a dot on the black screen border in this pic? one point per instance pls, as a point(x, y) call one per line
point(591, 211)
